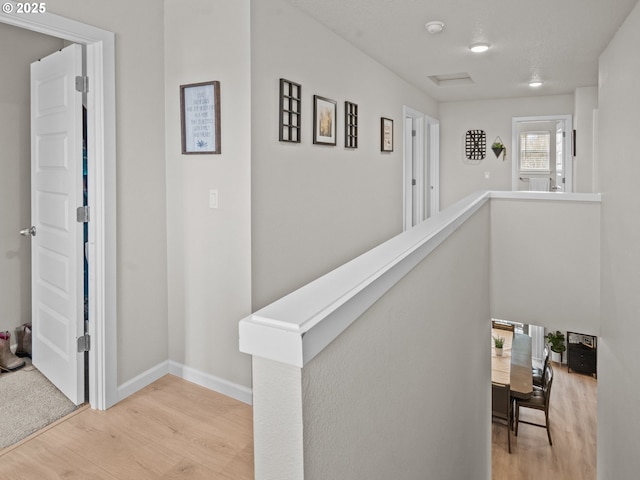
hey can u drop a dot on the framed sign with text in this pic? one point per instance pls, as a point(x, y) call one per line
point(200, 117)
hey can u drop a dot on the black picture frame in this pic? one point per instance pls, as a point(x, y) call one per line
point(200, 118)
point(350, 125)
point(324, 120)
point(290, 118)
point(386, 134)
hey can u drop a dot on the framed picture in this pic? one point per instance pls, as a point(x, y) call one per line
point(386, 134)
point(588, 341)
point(290, 108)
point(350, 125)
point(324, 121)
point(200, 117)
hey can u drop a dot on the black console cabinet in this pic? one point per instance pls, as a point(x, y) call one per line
point(582, 353)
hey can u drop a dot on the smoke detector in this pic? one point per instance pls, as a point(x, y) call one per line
point(434, 27)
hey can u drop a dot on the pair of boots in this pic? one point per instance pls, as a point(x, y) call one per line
point(9, 361)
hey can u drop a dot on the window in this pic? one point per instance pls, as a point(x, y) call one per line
point(534, 151)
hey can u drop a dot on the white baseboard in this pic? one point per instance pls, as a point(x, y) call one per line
point(217, 384)
point(142, 380)
point(233, 390)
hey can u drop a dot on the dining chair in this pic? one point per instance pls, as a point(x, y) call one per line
point(502, 326)
point(538, 373)
point(501, 406)
point(539, 400)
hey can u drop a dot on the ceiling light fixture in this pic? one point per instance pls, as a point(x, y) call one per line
point(434, 27)
point(535, 83)
point(479, 47)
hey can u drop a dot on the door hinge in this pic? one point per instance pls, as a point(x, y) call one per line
point(563, 180)
point(82, 84)
point(84, 343)
point(413, 133)
point(413, 182)
point(82, 214)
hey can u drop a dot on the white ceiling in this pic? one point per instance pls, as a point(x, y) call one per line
point(559, 40)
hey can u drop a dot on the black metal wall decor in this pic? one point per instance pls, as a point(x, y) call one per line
point(475, 144)
point(290, 107)
point(350, 125)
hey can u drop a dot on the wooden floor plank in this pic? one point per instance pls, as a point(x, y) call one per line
point(573, 431)
point(170, 429)
point(174, 429)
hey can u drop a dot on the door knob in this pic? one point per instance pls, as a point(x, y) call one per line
point(28, 232)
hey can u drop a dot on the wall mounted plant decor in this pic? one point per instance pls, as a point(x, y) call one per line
point(200, 117)
point(350, 125)
point(324, 121)
point(475, 145)
point(290, 108)
point(386, 134)
point(499, 149)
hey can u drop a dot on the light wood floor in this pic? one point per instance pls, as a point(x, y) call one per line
point(171, 429)
point(573, 431)
point(174, 429)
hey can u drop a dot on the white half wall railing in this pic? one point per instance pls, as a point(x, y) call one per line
point(295, 328)
point(366, 372)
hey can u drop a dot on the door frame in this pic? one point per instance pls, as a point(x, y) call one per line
point(427, 150)
point(567, 147)
point(101, 149)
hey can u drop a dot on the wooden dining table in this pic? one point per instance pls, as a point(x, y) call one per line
point(514, 366)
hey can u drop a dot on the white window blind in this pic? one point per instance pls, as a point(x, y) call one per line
point(534, 151)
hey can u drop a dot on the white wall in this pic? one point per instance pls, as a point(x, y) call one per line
point(545, 267)
point(209, 249)
point(15, 162)
point(315, 207)
point(619, 167)
point(141, 192)
point(458, 179)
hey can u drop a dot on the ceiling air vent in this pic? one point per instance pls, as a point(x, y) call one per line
point(451, 79)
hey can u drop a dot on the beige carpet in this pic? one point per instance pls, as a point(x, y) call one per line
point(28, 402)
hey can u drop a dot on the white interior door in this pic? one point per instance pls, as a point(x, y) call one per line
point(421, 156)
point(558, 180)
point(57, 246)
point(410, 181)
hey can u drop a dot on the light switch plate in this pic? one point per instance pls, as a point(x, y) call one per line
point(213, 198)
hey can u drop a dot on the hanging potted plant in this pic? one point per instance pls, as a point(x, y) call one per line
point(556, 344)
point(498, 147)
point(498, 342)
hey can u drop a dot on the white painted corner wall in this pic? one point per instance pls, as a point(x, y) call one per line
point(619, 169)
point(209, 249)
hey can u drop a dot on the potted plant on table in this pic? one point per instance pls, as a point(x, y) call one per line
point(556, 344)
point(499, 344)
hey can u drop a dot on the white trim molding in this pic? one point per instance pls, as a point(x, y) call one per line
point(208, 381)
point(211, 382)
